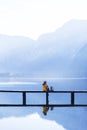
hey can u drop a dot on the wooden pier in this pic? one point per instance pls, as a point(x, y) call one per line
point(46, 94)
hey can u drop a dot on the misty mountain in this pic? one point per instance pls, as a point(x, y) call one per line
point(61, 48)
point(79, 64)
point(14, 51)
point(55, 54)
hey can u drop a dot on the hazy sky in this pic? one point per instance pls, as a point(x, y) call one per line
point(35, 17)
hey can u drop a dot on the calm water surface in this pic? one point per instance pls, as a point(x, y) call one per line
point(71, 118)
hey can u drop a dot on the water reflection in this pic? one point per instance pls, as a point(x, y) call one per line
point(46, 109)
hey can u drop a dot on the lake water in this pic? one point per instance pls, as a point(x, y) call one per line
point(72, 118)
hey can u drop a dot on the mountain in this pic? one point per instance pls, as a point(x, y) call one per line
point(14, 51)
point(53, 54)
point(60, 48)
point(79, 64)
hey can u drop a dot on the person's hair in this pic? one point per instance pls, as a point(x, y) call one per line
point(45, 82)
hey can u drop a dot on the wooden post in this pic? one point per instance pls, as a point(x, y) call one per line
point(72, 98)
point(24, 98)
point(47, 99)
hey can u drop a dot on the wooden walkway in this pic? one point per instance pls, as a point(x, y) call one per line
point(46, 94)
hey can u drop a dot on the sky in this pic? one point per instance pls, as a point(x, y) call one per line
point(32, 18)
point(32, 122)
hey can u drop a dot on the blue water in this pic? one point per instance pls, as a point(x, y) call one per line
point(72, 118)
